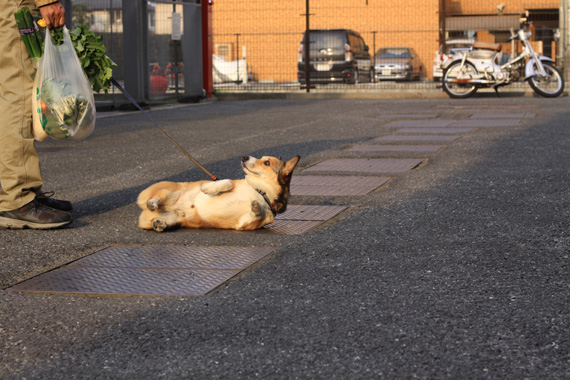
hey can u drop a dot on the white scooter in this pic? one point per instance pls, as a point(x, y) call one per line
point(481, 67)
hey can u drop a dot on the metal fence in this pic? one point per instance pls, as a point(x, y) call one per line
point(403, 40)
point(358, 45)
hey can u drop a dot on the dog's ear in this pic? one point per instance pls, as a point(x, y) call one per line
point(290, 165)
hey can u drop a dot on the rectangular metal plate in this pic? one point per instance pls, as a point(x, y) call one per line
point(407, 115)
point(445, 130)
point(472, 106)
point(521, 115)
point(363, 165)
point(292, 227)
point(127, 281)
point(487, 123)
point(183, 271)
point(415, 138)
point(299, 219)
point(421, 123)
point(311, 212)
point(396, 148)
point(335, 185)
point(216, 257)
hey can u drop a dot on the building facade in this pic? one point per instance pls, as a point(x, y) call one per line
point(267, 33)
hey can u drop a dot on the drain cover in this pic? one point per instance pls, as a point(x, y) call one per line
point(415, 138)
point(334, 185)
point(522, 115)
point(310, 212)
point(487, 123)
point(373, 165)
point(407, 115)
point(396, 148)
point(420, 123)
point(183, 271)
point(299, 219)
point(446, 130)
point(519, 106)
point(292, 227)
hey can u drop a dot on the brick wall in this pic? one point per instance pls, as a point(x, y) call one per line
point(271, 30)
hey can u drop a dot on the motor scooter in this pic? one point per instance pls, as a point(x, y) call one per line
point(485, 66)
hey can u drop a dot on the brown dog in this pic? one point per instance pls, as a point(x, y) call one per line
point(245, 204)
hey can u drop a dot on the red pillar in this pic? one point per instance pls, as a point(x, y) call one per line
point(207, 47)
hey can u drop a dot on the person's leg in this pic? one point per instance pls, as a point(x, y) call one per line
point(20, 175)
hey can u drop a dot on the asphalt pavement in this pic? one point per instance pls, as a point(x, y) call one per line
point(457, 269)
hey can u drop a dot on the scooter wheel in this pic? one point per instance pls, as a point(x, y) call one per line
point(459, 90)
point(549, 87)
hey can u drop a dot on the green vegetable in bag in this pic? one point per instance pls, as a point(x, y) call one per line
point(91, 53)
point(63, 97)
point(62, 109)
point(89, 48)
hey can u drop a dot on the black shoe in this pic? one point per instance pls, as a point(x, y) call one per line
point(47, 200)
point(34, 215)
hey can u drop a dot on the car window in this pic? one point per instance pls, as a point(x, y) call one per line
point(355, 43)
point(325, 40)
point(393, 53)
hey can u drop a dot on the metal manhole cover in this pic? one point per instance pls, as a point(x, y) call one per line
point(311, 212)
point(292, 227)
point(396, 148)
point(487, 123)
point(372, 165)
point(415, 138)
point(420, 123)
point(216, 257)
point(127, 281)
point(488, 106)
point(407, 115)
point(335, 185)
point(522, 115)
point(183, 271)
point(445, 130)
point(299, 219)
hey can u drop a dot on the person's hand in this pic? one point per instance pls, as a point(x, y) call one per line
point(53, 15)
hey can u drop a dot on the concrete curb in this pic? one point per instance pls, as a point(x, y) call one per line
point(395, 94)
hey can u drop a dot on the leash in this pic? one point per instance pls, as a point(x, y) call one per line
point(213, 177)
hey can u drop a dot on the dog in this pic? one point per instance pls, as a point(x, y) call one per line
point(244, 204)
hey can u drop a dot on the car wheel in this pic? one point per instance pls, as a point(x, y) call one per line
point(354, 77)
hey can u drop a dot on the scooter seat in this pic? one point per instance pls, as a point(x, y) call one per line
point(487, 46)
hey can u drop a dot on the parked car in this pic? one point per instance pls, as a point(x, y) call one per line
point(452, 47)
point(336, 55)
point(397, 63)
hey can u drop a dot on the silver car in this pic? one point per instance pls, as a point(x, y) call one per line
point(397, 63)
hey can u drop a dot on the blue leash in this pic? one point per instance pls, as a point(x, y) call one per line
point(162, 130)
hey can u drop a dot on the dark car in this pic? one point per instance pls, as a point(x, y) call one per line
point(397, 63)
point(336, 55)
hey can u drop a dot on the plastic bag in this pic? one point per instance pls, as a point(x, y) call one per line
point(63, 103)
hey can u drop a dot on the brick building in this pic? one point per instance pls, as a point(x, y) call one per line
point(267, 33)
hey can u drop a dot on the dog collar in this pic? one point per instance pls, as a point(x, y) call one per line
point(271, 205)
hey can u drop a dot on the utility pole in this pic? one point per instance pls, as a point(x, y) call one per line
point(307, 51)
point(442, 16)
point(562, 42)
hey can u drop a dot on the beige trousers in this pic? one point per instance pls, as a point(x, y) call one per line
point(20, 175)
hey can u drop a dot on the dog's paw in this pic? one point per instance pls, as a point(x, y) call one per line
point(159, 225)
point(179, 213)
point(215, 188)
point(209, 188)
point(152, 204)
point(256, 209)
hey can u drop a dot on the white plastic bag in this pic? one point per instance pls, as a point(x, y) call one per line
point(63, 103)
